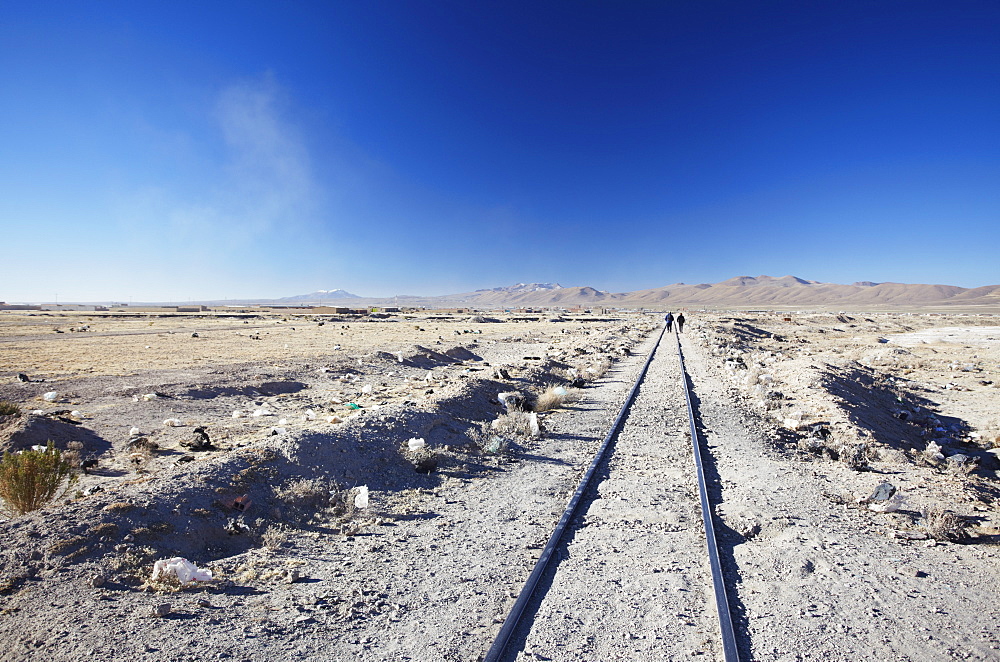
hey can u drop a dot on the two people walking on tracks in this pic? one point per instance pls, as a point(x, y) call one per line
point(670, 319)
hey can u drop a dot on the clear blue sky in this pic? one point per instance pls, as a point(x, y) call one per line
point(175, 151)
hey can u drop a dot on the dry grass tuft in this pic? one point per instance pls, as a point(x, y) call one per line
point(31, 479)
point(306, 495)
point(553, 397)
point(8, 408)
point(941, 524)
point(516, 423)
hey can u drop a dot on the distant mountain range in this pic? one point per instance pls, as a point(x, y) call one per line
point(320, 295)
point(739, 292)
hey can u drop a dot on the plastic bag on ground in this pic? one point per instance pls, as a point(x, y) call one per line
point(182, 569)
point(361, 498)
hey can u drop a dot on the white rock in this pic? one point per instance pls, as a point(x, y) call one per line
point(237, 414)
point(334, 419)
point(415, 444)
point(310, 415)
point(134, 431)
point(51, 396)
point(260, 412)
point(149, 396)
point(173, 423)
point(76, 413)
point(283, 421)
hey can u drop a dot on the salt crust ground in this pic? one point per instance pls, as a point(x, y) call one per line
point(432, 568)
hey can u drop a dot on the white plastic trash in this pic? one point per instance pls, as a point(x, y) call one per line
point(361, 498)
point(182, 569)
point(415, 444)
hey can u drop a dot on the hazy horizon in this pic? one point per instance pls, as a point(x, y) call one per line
point(193, 152)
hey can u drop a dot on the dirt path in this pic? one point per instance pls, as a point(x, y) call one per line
point(633, 581)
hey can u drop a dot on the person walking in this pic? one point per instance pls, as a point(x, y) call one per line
point(680, 322)
point(669, 319)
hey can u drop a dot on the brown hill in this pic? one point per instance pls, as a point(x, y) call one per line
point(738, 292)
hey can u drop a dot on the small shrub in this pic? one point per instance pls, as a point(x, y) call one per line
point(274, 538)
point(518, 423)
point(306, 495)
point(943, 525)
point(8, 408)
point(31, 479)
point(118, 507)
point(73, 454)
point(553, 397)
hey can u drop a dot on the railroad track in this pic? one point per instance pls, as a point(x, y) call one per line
point(638, 573)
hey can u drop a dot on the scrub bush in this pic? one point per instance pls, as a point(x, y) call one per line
point(32, 479)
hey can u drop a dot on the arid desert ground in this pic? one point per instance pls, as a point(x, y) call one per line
point(248, 445)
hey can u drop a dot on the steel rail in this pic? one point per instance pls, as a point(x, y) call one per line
point(729, 648)
point(513, 619)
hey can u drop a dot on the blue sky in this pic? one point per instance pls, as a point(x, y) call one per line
point(176, 151)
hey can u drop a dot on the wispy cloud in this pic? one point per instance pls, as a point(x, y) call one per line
point(257, 181)
point(269, 181)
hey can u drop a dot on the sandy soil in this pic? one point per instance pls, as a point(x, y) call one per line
point(803, 415)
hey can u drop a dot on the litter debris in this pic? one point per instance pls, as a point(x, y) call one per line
point(512, 401)
point(182, 569)
point(199, 440)
point(241, 503)
point(353, 405)
point(533, 424)
point(495, 445)
point(361, 498)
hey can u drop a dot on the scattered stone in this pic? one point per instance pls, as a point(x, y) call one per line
point(160, 610)
point(97, 581)
point(202, 602)
point(291, 576)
